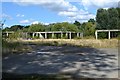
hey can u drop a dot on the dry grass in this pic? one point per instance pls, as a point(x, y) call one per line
point(103, 43)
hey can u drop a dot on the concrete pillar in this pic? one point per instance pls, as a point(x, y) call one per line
point(66, 35)
point(33, 35)
point(61, 35)
point(39, 35)
point(70, 35)
point(81, 35)
point(78, 34)
point(7, 34)
point(52, 35)
point(109, 35)
point(96, 35)
point(26, 34)
point(45, 35)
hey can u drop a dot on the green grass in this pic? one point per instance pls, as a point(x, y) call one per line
point(14, 47)
point(101, 43)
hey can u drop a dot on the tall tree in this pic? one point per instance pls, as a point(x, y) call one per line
point(77, 23)
point(88, 28)
point(16, 27)
point(102, 19)
point(36, 28)
point(118, 9)
point(64, 26)
point(113, 17)
point(92, 21)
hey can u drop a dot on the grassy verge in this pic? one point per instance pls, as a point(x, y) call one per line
point(102, 43)
point(14, 47)
point(20, 46)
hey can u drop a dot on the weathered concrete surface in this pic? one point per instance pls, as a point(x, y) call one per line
point(75, 61)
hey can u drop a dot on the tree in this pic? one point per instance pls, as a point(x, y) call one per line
point(118, 10)
point(25, 29)
point(36, 28)
point(112, 18)
point(77, 23)
point(107, 19)
point(102, 19)
point(6, 29)
point(64, 26)
point(16, 27)
point(88, 29)
point(92, 21)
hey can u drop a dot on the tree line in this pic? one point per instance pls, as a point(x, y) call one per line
point(105, 19)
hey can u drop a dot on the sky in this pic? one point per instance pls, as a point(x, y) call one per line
point(26, 12)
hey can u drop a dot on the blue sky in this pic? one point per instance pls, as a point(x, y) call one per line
point(25, 12)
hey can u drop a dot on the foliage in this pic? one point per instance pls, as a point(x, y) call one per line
point(92, 21)
point(102, 19)
point(88, 29)
point(16, 27)
point(112, 18)
point(65, 26)
point(36, 28)
point(77, 23)
point(107, 19)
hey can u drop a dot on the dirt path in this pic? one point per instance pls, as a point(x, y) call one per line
point(76, 61)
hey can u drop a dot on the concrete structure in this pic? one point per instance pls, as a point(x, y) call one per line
point(45, 35)
point(7, 33)
point(67, 34)
point(96, 32)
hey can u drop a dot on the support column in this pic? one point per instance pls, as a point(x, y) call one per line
point(40, 35)
point(26, 35)
point(61, 35)
point(96, 35)
point(33, 35)
point(70, 35)
point(37, 34)
point(109, 35)
point(66, 35)
point(78, 34)
point(7, 34)
point(52, 35)
point(45, 35)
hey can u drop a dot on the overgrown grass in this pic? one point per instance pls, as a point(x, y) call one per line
point(14, 47)
point(20, 46)
point(101, 43)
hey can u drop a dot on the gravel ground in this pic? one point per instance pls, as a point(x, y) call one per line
point(75, 61)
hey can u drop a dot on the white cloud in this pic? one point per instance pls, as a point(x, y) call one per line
point(67, 13)
point(65, 8)
point(35, 22)
point(99, 3)
point(20, 15)
point(25, 21)
point(45, 23)
point(59, 5)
